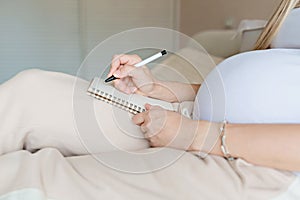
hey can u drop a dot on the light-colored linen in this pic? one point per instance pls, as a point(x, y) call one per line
point(83, 177)
point(39, 110)
point(293, 192)
point(25, 194)
point(43, 109)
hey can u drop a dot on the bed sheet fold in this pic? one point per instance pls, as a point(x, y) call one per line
point(50, 175)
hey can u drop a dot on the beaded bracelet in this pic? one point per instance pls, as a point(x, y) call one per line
point(224, 148)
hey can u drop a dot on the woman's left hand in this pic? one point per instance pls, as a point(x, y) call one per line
point(167, 128)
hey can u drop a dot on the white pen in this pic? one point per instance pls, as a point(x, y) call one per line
point(142, 63)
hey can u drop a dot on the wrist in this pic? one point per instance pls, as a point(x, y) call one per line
point(201, 134)
point(161, 90)
point(208, 139)
point(173, 91)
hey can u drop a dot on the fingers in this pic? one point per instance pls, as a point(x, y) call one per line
point(151, 121)
point(139, 118)
point(152, 107)
point(120, 60)
point(148, 106)
point(124, 71)
point(133, 79)
point(145, 130)
point(125, 85)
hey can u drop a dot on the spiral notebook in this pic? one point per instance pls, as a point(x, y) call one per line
point(132, 103)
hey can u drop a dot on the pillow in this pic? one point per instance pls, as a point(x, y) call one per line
point(289, 34)
point(178, 67)
point(250, 31)
point(221, 43)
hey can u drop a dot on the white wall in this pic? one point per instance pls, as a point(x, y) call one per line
point(38, 34)
point(57, 34)
point(102, 18)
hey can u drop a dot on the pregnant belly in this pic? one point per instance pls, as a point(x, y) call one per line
point(254, 87)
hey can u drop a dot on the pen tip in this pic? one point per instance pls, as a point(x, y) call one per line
point(164, 52)
point(111, 78)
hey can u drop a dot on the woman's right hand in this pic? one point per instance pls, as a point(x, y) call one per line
point(131, 79)
point(140, 80)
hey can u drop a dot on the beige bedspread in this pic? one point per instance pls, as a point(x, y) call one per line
point(83, 177)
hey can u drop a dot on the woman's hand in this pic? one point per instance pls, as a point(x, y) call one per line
point(167, 128)
point(132, 79)
point(140, 80)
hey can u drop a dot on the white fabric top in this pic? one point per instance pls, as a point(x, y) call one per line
point(289, 34)
point(253, 87)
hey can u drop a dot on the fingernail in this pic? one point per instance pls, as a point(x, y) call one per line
point(148, 106)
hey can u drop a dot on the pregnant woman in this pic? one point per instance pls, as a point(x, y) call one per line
point(247, 109)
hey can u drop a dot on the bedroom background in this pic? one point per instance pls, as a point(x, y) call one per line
point(58, 34)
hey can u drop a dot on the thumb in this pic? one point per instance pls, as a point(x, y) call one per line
point(148, 106)
point(139, 119)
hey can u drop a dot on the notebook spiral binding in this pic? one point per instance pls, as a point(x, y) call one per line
point(110, 99)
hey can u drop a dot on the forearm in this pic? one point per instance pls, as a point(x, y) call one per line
point(174, 91)
point(269, 145)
